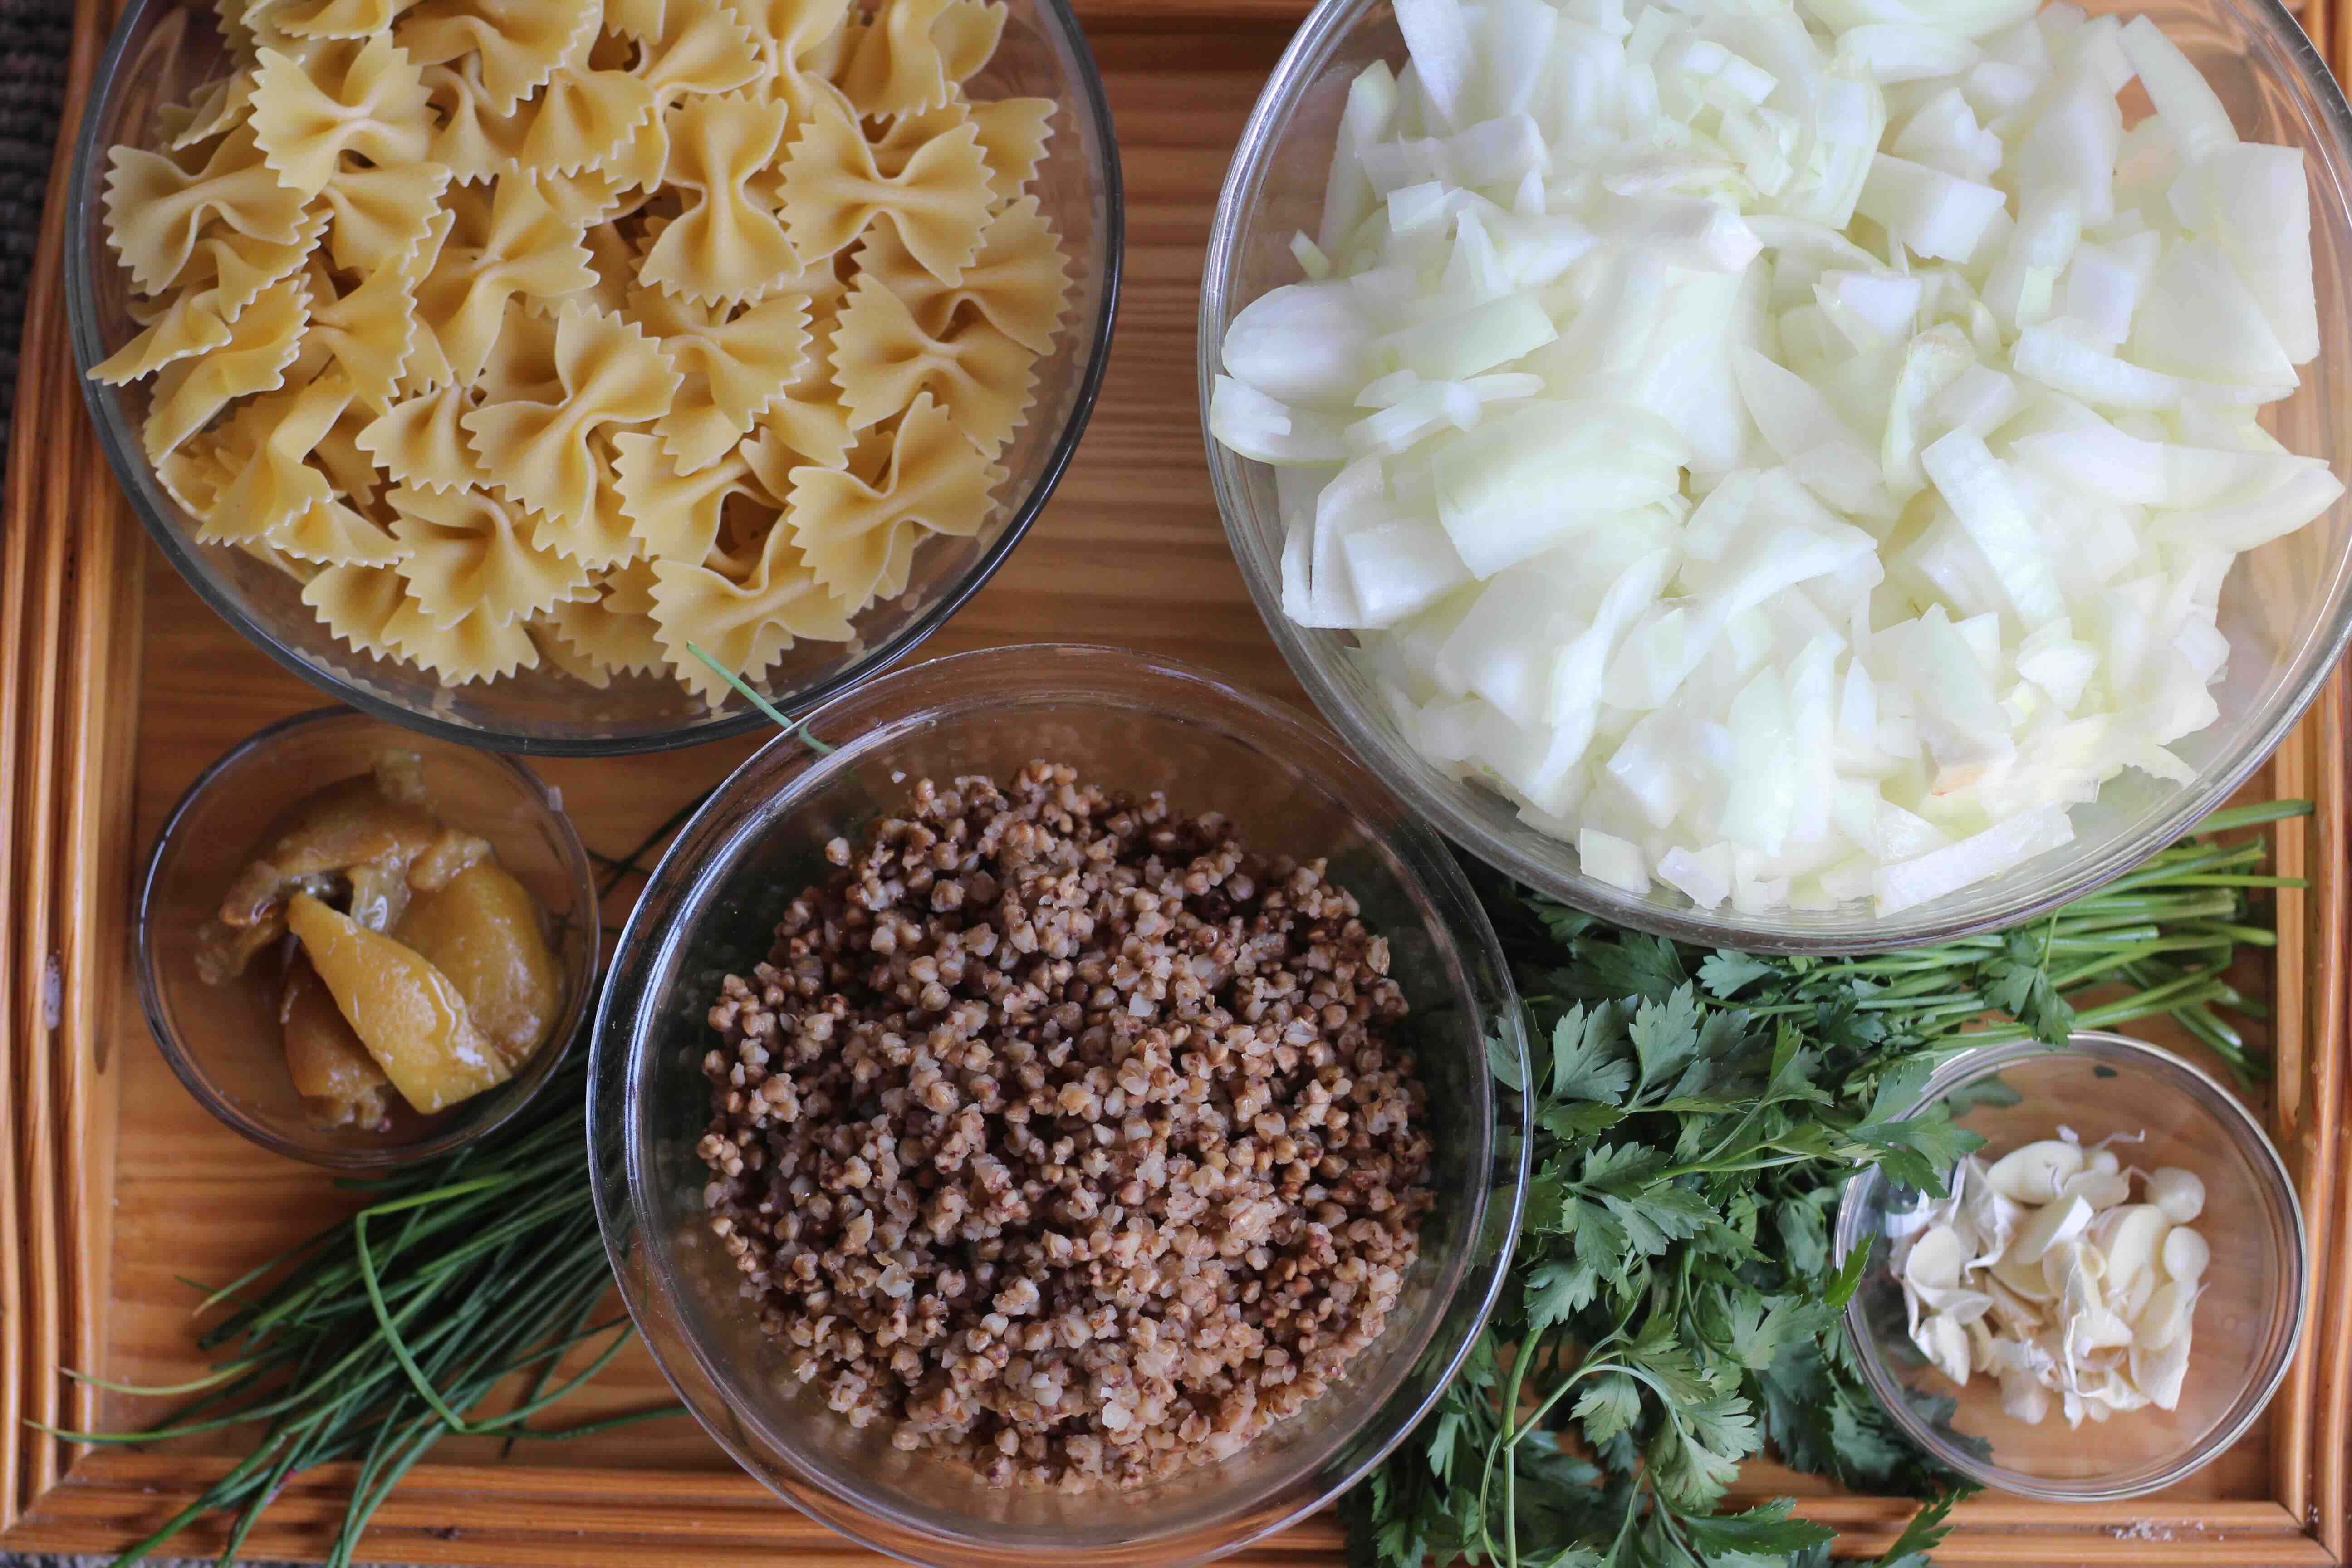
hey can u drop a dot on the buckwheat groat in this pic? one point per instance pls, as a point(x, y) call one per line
point(1064, 1135)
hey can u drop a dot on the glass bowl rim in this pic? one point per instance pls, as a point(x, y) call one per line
point(616, 1155)
point(135, 476)
point(1300, 68)
point(184, 1062)
point(2246, 1133)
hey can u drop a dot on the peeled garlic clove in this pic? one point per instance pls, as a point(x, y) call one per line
point(2104, 1162)
point(2166, 1316)
point(2180, 1194)
point(2136, 1296)
point(2158, 1373)
point(2024, 1280)
point(2135, 1243)
point(1982, 1357)
point(2185, 1255)
point(1935, 1259)
point(2073, 1269)
point(2101, 1190)
point(2048, 1224)
point(2033, 1173)
point(1945, 1343)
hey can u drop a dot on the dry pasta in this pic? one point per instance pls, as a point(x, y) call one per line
point(731, 368)
point(857, 527)
point(473, 552)
point(567, 334)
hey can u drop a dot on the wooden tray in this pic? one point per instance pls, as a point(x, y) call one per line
point(116, 685)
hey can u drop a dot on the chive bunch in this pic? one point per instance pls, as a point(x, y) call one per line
point(387, 1328)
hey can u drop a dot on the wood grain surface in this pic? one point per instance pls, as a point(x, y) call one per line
point(117, 686)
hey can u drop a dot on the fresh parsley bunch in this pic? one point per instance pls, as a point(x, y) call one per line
point(1673, 1303)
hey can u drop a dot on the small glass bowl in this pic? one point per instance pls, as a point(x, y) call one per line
point(163, 50)
point(2286, 607)
point(2248, 1321)
point(1126, 723)
point(223, 1041)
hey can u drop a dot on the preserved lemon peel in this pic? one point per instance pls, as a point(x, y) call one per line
point(339, 1083)
point(348, 822)
point(481, 929)
point(406, 1012)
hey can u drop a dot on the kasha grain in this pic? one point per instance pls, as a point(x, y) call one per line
point(1065, 1136)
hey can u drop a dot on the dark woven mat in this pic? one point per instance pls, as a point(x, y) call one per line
point(35, 40)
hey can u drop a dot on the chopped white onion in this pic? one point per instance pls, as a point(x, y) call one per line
point(1791, 449)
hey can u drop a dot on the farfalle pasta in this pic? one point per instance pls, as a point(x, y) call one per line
point(833, 190)
point(857, 527)
point(578, 335)
point(474, 551)
point(883, 358)
point(914, 55)
point(726, 247)
point(732, 366)
point(349, 97)
point(608, 373)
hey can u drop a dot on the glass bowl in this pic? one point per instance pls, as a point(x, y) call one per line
point(2286, 608)
point(163, 49)
point(1127, 722)
point(2248, 1320)
point(223, 1040)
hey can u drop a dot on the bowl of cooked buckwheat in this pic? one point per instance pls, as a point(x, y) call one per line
point(1041, 1113)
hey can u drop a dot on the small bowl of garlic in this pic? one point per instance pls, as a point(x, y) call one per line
point(2104, 1293)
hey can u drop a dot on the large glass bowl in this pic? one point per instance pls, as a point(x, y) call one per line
point(163, 49)
point(2284, 607)
point(2249, 1316)
point(1127, 722)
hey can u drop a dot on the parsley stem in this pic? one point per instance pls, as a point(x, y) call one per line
point(1625, 1526)
point(1732, 1167)
point(1507, 1446)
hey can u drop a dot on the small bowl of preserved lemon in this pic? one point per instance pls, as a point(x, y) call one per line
point(359, 946)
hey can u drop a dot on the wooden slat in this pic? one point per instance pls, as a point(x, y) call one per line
point(2305, 1080)
point(64, 815)
point(17, 749)
point(482, 1515)
point(93, 941)
point(30, 1006)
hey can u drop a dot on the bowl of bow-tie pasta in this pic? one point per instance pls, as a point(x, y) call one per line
point(556, 377)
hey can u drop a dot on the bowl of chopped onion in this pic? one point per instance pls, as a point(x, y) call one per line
point(1808, 477)
point(2115, 1245)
